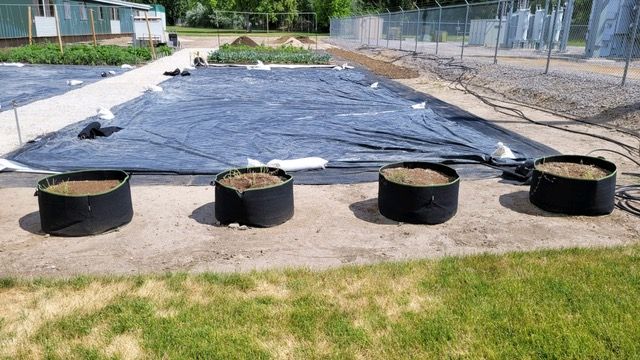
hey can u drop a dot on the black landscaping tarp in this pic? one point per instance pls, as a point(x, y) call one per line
point(35, 82)
point(219, 117)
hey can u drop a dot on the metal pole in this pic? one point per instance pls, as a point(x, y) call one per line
point(553, 30)
point(439, 20)
point(377, 28)
point(369, 26)
point(495, 54)
point(388, 28)
point(218, 28)
point(632, 44)
point(417, 27)
point(15, 113)
point(464, 31)
point(401, 26)
point(315, 26)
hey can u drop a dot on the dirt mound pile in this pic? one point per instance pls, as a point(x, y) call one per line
point(386, 69)
point(305, 40)
point(244, 40)
point(302, 39)
point(294, 42)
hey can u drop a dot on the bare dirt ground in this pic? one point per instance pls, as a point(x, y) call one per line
point(174, 229)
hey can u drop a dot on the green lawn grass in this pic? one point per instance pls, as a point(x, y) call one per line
point(191, 31)
point(569, 304)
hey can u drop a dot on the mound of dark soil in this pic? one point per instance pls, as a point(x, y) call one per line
point(244, 40)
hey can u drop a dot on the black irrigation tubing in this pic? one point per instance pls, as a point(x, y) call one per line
point(629, 199)
point(458, 81)
point(615, 152)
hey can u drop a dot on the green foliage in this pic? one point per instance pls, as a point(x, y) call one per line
point(76, 55)
point(164, 50)
point(327, 9)
point(286, 54)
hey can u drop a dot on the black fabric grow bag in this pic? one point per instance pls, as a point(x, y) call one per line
point(432, 204)
point(263, 207)
point(69, 215)
point(574, 196)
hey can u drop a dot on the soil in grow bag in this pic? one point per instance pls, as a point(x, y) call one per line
point(260, 197)
point(573, 170)
point(83, 187)
point(84, 202)
point(573, 185)
point(416, 176)
point(418, 192)
point(254, 180)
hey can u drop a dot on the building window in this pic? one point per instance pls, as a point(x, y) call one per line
point(67, 10)
point(83, 12)
point(44, 8)
point(115, 14)
point(100, 15)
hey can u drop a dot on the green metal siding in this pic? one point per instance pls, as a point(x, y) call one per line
point(14, 19)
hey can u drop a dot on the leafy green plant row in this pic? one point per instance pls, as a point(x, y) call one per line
point(241, 54)
point(78, 54)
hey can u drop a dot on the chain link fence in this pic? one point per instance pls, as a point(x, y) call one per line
point(598, 36)
point(296, 28)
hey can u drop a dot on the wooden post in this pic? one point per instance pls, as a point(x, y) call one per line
point(153, 50)
point(55, 13)
point(93, 28)
point(30, 25)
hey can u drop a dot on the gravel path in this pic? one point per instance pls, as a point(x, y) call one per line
point(54, 113)
point(589, 96)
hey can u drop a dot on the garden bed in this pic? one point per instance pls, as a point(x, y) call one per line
point(285, 54)
point(79, 54)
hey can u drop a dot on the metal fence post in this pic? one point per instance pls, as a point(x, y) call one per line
point(553, 30)
point(369, 25)
point(417, 27)
point(632, 44)
point(388, 28)
point(377, 28)
point(15, 113)
point(401, 26)
point(464, 31)
point(439, 21)
point(495, 54)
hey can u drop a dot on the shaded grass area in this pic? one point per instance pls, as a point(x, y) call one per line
point(549, 304)
point(285, 54)
point(79, 54)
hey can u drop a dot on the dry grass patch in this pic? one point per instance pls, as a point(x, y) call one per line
point(29, 309)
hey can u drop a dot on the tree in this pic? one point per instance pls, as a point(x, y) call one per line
point(327, 9)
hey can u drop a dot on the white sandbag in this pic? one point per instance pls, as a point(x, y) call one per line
point(502, 152)
point(374, 85)
point(126, 66)
point(74, 82)
point(254, 163)
point(259, 66)
point(105, 114)
point(15, 64)
point(308, 163)
point(422, 105)
point(152, 88)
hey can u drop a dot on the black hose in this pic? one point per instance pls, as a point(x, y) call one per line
point(459, 82)
point(628, 199)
